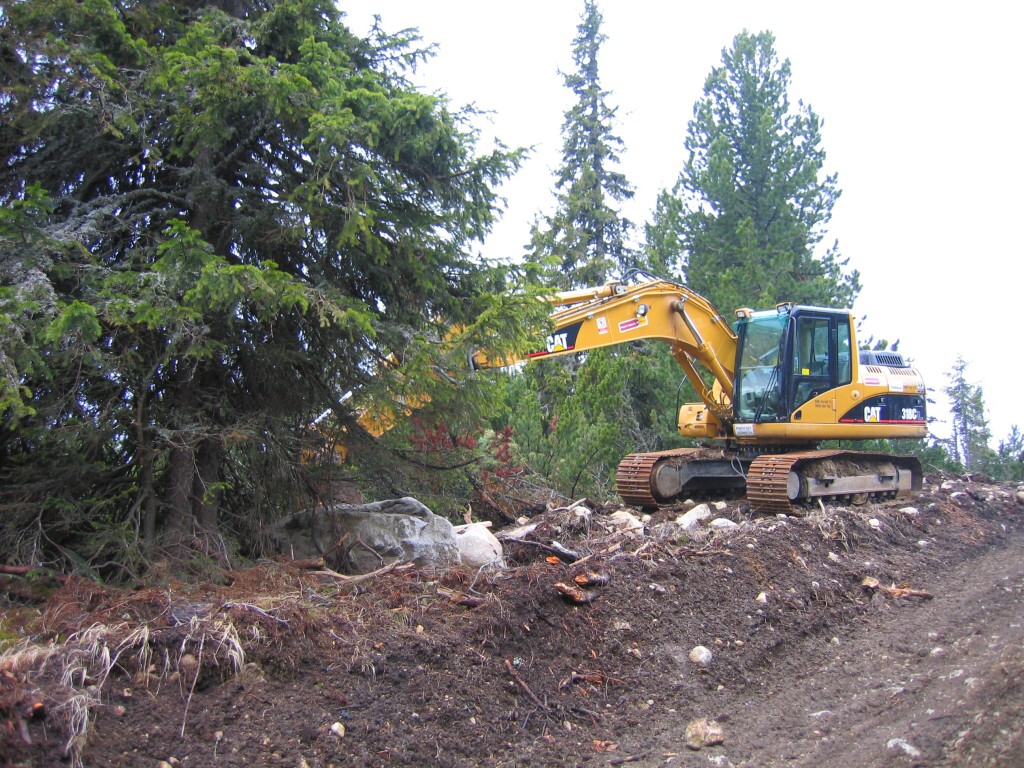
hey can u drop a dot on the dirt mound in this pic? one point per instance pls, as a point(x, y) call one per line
point(810, 653)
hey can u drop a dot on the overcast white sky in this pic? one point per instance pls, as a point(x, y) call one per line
point(921, 105)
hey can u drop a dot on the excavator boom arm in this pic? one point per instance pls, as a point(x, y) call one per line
point(619, 312)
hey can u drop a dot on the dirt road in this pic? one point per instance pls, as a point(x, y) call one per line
point(914, 683)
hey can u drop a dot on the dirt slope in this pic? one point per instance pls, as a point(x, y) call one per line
point(809, 666)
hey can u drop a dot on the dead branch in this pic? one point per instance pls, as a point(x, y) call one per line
point(873, 584)
point(250, 607)
point(523, 685)
point(25, 570)
point(461, 598)
point(626, 759)
point(559, 551)
point(395, 566)
point(608, 551)
point(308, 565)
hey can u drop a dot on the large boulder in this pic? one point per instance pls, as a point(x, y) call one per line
point(359, 538)
point(478, 547)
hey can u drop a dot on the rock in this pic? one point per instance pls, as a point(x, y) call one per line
point(721, 524)
point(720, 505)
point(694, 517)
point(521, 531)
point(702, 733)
point(478, 547)
point(908, 510)
point(373, 534)
point(762, 598)
point(1019, 497)
point(901, 745)
point(701, 656)
point(875, 523)
point(338, 729)
point(621, 520)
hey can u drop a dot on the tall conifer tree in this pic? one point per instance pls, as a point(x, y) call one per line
point(751, 206)
point(217, 220)
point(575, 418)
point(587, 239)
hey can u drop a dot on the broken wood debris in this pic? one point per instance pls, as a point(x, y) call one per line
point(345, 579)
point(875, 585)
point(597, 678)
point(575, 594)
point(523, 685)
point(626, 759)
point(461, 598)
point(591, 579)
point(554, 548)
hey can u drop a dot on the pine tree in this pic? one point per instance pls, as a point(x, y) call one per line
point(575, 418)
point(1011, 456)
point(218, 220)
point(750, 208)
point(587, 239)
point(968, 444)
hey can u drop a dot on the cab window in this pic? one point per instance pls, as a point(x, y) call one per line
point(812, 369)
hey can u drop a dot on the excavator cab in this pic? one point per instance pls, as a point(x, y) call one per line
point(788, 357)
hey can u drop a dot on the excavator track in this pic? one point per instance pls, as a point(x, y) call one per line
point(768, 481)
point(651, 480)
point(633, 477)
point(775, 482)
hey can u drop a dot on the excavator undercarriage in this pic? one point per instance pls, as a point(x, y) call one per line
point(773, 483)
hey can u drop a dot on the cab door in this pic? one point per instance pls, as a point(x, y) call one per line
point(819, 357)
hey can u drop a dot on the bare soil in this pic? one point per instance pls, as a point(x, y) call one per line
point(810, 665)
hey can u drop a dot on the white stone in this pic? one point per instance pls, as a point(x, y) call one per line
point(703, 733)
point(521, 531)
point(720, 505)
point(478, 547)
point(694, 517)
point(720, 523)
point(701, 656)
point(621, 520)
point(874, 523)
point(903, 746)
point(762, 598)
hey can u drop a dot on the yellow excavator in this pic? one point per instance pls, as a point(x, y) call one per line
point(781, 381)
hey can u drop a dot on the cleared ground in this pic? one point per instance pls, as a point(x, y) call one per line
point(811, 665)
